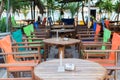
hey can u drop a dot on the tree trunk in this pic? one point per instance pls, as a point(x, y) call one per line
point(83, 13)
point(118, 19)
point(1, 7)
point(53, 16)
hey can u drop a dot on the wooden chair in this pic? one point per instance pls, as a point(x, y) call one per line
point(27, 47)
point(110, 62)
point(6, 46)
point(94, 46)
point(19, 41)
point(7, 65)
point(91, 45)
point(90, 35)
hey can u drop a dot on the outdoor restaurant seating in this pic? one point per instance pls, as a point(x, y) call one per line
point(111, 54)
point(20, 40)
point(38, 33)
point(88, 36)
point(13, 64)
point(101, 44)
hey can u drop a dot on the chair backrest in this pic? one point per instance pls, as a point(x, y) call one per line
point(115, 44)
point(98, 28)
point(17, 36)
point(6, 46)
point(94, 26)
point(36, 25)
point(106, 36)
point(44, 21)
point(107, 22)
point(50, 21)
point(28, 30)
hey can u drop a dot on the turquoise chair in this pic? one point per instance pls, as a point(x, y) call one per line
point(17, 36)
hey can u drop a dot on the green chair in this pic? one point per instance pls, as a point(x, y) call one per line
point(106, 37)
point(28, 32)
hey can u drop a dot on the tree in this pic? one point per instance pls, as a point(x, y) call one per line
point(25, 11)
point(117, 9)
point(73, 7)
point(108, 7)
point(1, 7)
point(16, 6)
point(99, 4)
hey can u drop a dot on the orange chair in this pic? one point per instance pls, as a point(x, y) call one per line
point(44, 22)
point(6, 46)
point(111, 56)
point(107, 22)
point(98, 28)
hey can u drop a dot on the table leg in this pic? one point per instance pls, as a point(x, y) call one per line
point(45, 53)
point(61, 49)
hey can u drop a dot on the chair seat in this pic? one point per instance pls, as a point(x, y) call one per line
point(16, 69)
point(22, 68)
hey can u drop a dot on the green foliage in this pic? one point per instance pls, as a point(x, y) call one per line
point(3, 24)
point(99, 4)
point(117, 7)
point(25, 11)
point(72, 7)
point(107, 6)
point(16, 5)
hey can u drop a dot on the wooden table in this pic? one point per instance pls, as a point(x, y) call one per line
point(63, 32)
point(62, 26)
point(85, 70)
point(61, 43)
point(28, 21)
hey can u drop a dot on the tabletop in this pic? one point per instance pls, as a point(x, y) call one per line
point(62, 26)
point(63, 30)
point(61, 41)
point(84, 70)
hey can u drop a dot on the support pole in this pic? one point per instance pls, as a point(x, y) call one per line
point(88, 14)
point(8, 6)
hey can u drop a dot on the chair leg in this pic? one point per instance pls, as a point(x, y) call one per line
point(8, 74)
point(115, 75)
point(32, 73)
point(110, 76)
